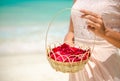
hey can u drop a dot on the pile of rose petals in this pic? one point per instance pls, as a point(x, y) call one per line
point(66, 53)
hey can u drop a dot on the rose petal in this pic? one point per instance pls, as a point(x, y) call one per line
point(68, 54)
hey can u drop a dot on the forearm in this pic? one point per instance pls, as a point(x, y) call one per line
point(113, 34)
point(112, 37)
point(69, 37)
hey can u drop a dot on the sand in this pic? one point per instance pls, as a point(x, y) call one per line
point(29, 67)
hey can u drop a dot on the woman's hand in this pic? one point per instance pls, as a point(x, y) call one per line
point(94, 22)
point(69, 38)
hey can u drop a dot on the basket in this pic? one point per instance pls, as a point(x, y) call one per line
point(69, 61)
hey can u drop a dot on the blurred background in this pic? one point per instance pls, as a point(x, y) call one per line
point(23, 25)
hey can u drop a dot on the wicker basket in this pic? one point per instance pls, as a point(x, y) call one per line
point(65, 67)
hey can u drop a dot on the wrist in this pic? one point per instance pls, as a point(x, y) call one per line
point(69, 37)
point(108, 33)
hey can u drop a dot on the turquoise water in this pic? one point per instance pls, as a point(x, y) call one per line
point(23, 23)
point(25, 12)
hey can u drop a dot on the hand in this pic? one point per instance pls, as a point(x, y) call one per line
point(71, 43)
point(94, 22)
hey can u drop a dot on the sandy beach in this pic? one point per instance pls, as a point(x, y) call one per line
point(33, 67)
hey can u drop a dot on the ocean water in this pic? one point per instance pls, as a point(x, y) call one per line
point(23, 24)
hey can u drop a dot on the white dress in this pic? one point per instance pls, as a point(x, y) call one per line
point(104, 64)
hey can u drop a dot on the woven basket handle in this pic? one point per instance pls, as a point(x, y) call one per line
point(50, 23)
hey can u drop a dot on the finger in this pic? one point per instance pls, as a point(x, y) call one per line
point(92, 18)
point(90, 13)
point(92, 24)
point(90, 28)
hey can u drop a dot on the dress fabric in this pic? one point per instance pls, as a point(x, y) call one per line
point(104, 63)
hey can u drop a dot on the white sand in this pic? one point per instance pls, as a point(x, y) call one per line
point(28, 68)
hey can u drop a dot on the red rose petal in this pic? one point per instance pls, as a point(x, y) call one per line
point(65, 53)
